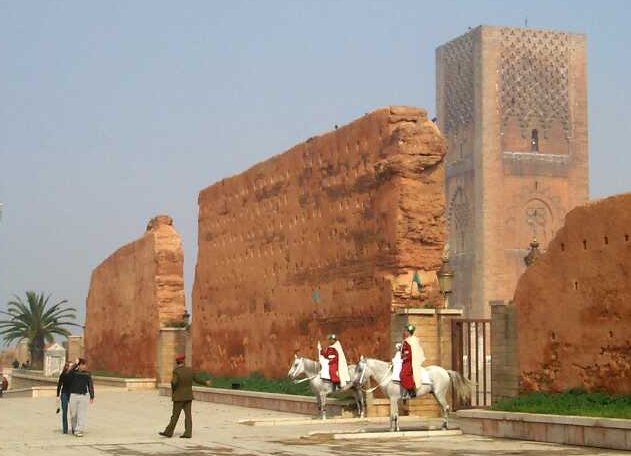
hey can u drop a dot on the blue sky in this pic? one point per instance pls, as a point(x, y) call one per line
point(113, 112)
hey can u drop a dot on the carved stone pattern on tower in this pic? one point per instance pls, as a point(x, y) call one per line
point(460, 211)
point(534, 72)
point(459, 83)
point(533, 214)
point(458, 218)
point(537, 215)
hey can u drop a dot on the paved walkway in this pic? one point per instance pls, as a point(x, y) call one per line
point(127, 424)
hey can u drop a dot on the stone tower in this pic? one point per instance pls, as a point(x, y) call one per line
point(512, 103)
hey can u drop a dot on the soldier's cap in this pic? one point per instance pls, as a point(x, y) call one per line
point(332, 337)
point(410, 328)
point(180, 357)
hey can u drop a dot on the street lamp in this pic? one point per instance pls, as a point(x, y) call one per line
point(445, 280)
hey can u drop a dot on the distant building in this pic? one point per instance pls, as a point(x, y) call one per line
point(512, 103)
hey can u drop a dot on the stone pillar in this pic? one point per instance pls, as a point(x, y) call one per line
point(433, 328)
point(171, 342)
point(22, 353)
point(504, 360)
point(75, 348)
point(54, 359)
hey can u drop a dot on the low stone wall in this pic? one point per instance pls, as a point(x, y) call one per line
point(270, 401)
point(32, 391)
point(375, 407)
point(127, 383)
point(29, 379)
point(568, 430)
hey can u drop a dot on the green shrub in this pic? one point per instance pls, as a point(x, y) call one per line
point(253, 382)
point(571, 402)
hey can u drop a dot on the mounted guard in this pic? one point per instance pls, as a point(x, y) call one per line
point(413, 374)
point(333, 362)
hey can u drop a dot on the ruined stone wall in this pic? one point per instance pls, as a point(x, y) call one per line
point(574, 304)
point(133, 293)
point(322, 238)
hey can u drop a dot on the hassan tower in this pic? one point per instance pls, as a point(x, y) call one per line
point(512, 103)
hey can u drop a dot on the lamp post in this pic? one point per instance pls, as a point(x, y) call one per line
point(445, 276)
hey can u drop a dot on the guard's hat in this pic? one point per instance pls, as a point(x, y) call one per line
point(410, 328)
point(180, 357)
point(332, 337)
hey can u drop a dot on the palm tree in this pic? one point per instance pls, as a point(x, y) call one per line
point(35, 321)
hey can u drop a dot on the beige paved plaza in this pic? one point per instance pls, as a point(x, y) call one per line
point(127, 424)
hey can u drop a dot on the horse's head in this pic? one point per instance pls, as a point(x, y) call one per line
point(360, 372)
point(297, 367)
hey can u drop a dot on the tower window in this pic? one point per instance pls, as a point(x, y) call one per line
point(534, 141)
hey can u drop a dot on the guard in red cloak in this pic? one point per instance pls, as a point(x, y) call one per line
point(410, 348)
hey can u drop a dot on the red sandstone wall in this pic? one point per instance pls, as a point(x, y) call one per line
point(322, 238)
point(132, 293)
point(574, 304)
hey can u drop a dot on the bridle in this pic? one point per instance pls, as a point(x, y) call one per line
point(380, 383)
point(296, 368)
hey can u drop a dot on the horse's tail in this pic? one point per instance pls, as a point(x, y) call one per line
point(462, 385)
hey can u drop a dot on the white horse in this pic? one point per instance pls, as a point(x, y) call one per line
point(381, 372)
point(322, 388)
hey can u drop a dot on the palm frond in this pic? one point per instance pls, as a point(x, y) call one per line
point(35, 319)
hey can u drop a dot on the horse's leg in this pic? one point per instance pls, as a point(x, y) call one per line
point(444, 405)
point(323, 405)
point(362, 403)
point(357, 404)
point(394, 414)
point(439, 393)
point(319, 402)
point(359, 401)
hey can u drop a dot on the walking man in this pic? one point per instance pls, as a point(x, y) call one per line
point(80, 387)
point(182, 396)
point(63, 393)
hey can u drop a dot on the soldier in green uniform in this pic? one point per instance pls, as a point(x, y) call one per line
point(182, 396)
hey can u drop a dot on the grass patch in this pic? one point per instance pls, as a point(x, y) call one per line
point(253, 382)
point(571, 402)
point(257, 382)
point(105, 373)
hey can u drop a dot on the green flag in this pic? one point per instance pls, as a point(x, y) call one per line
point(416, 278)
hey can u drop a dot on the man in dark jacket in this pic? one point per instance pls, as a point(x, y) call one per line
point(182, 396)
point(81, 386)
point(5, 384)
point(63, 393)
